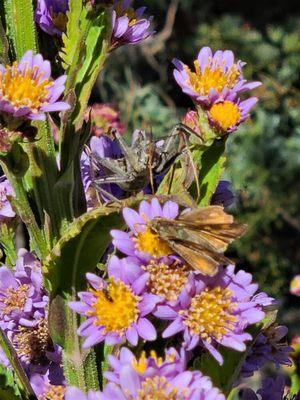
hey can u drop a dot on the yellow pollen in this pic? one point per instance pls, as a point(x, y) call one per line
point(214, 77)
point(53, 393)
point(226, 114)
point(24, 89)
point(33, 343)
point(15, 299)
point(140, 364)
point(158, 388)
point(116, 307)
point(211, 314)
point(166, 280)
point(149, 242)
point(128, 12)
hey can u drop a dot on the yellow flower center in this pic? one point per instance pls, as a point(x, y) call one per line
point(158, 388)
point(226, 114)
point(116, 307)
point(149, 242)
point(15, 299)
point(166, 280)
point(212, 78)
point(53, 393)
point(128, 12)
point(211, 314)
point(33, 343)
point(140, 364)
point(24, 89)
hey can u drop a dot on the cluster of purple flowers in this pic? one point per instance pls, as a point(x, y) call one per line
point(23, 318)
point(150, 286)
point(129, 26)
point(215, 85)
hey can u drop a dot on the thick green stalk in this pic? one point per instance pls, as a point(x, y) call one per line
point(21, 26)
point(25, 212)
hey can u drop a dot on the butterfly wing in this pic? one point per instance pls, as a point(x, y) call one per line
point(200, 236)
point(201, 260)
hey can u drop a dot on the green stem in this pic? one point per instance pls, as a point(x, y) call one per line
point(25, 212)
point(7, 240)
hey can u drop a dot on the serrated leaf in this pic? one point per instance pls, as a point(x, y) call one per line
point(21, 25)
point(72, 39)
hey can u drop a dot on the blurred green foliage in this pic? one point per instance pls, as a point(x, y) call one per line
point(264, 155)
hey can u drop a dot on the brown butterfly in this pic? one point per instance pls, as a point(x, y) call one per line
point(200, 236)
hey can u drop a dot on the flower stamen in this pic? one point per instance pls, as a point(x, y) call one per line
point(225, 114)
point(115, 308)
point(15, 299)
point(213, 77)
point(211, 314)
point(24, 88)
point(149, 242)
point(167, 281)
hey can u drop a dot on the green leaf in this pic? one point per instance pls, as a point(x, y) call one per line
point(211, 167)
point(76, 253)
point(21, 25)
point(8, 387)
point(72, 39)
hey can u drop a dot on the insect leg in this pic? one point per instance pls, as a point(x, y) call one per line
point(129, 155)
point(105, 192)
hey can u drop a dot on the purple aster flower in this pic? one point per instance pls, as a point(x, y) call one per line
point(22, 299)
point(6, 210)
point(216, 311)
point(269, 346)
point(73, 393)
point(172, 363)
point(227, 115)
point(27, 90)
point(104, 117)
point(45, 390)
point(103, 147)
point(116, 309)
point(51, 16)
point(170, 385)
point(140, 241)
point(295, 286)
point(223, 195)
point(128, 24)
point(217, 77)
